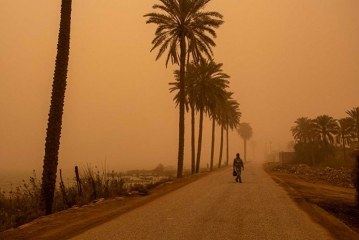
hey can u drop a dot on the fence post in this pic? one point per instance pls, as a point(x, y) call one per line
point(62, 187)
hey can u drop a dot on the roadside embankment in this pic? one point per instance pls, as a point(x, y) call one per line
point(319, 191)
point(68, 223)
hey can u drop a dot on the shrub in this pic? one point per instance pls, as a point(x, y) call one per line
point(21, 205)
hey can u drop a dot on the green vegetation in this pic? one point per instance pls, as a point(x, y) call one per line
point(324, 140)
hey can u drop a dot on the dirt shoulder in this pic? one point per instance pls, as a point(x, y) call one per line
point(320, 198)
point(68, 223)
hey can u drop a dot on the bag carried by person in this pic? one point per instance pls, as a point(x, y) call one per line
point(234, 173)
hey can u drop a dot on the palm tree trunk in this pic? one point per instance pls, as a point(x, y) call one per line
point(181, 107)
point(344, 153)
point(200, 129)
point(193, 144)
point(53, 133)
point(221, 149)
point(227, 157)
point(212, 144)
point(245, 150)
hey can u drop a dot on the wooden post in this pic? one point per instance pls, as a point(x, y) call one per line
point(63, 191)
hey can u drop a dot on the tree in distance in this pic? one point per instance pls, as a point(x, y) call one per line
point(229, 117)
point(354, 115)
point(246, 132)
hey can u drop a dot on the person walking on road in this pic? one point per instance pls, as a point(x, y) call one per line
point(238, 167)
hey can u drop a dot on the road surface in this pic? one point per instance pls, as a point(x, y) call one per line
point(216, 207)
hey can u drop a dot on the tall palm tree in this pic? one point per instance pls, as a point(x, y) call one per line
point(214, 83)
point(209, 84)
point(213, 113)
point(354, 115)
point(182, 28)
point(189, 104)
point(221, 123)
point(53, 132)
point(344, 133)
point(229, 117)
point(246, 132)
point(205, 85)
point(232, 120)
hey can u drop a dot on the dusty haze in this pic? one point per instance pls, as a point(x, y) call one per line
point(286, 59)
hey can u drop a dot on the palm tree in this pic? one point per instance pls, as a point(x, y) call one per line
point(216, 103)
point(326, 128)
point(205, 84)
point(304, 133)
point(232, 121)
point(246, 132)
point(213, 113)
point(183, 28)
point(354, 115)
point(221, 123)
point(344, 133)
point(189, 103)
point(53, 132)
point(212, 85)
point(209, 83)
point(304, 130)
point(229, 117)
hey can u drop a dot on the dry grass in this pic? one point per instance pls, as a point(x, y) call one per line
point(20, 206)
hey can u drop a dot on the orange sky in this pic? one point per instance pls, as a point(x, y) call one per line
point(286, 59)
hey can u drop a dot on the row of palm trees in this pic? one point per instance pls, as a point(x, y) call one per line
point(326, 132)
point(206, 93)
point(187, 33)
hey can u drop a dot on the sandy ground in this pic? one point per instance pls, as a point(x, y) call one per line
point(216, 207)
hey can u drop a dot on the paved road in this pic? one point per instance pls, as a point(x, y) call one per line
point(215, 207)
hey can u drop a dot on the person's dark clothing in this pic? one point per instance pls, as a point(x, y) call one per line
point(237, 167)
